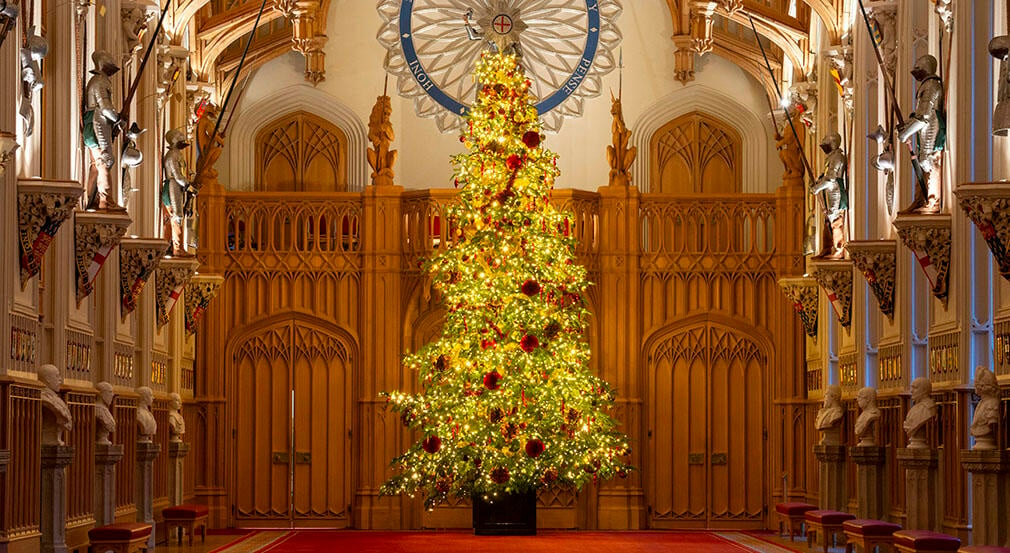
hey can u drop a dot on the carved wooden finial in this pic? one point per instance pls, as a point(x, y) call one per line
point(380, 134)
point(619, 154)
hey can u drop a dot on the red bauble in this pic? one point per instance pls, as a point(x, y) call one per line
point(550, 475)
point(534, 448)
point(531, 287)
point(529, 343)
point(513, 162)
point(531, 139)
point(432, 444)
point(491, 380)
point(500, 475)
point(485, 344)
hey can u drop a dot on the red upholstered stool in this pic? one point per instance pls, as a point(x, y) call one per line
point(125, 537)
point(791, 516)
point(826, 523)
point(924, 541)
point(186, 518)
point(869, 534)
point(983, 549)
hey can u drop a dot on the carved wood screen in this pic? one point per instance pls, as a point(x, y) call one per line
point(695, 154)
point(301, 152)
point(705, 428)
point(293, 417)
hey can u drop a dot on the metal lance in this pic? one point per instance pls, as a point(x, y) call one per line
point(920, 179)
point(227, 98)
point(124, 114)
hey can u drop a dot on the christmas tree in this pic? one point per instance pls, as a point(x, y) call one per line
point(507, 402)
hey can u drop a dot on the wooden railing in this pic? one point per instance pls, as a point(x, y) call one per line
point(731, 233)
point(278, 223)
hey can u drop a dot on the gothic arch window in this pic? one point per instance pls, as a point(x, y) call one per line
point(695, 154)
point(301, 152)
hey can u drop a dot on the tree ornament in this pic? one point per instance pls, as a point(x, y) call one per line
point(531, 287)
point(492, 380)
point(500, 475)
point(550, 475)
point(432, 444)
point(513, 162)
point(510, 431)
point(534, 448)
point(441, 363)
point(531, 139)
point(495, 415)
point(552, 330)
point(529, 343)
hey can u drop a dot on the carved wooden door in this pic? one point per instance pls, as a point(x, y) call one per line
point(705, 429)
point(292, 428)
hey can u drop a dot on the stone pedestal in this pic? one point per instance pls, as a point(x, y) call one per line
point(55, 459)
point(920, 488)
point(870, 485)
point(146, 453)
point(831, 459)
point(990, 495)
point(177, 451)
point(106, 457)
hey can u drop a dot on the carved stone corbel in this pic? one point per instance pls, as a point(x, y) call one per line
point(928, 236)
point(802, 291)
point(172, 61)
point(135, 19)
point(702, 12)
point(988, 206)
point(683, 59)
point(199, 293)
point(8, 145)
point(731, 6)
point(138, 258)
point(43, 206)
point(306, 36)
point(877, 260)
point(171, 277)
point(96, 233)
point(835, 276)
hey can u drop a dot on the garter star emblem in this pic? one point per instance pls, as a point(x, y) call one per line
point(566, 46)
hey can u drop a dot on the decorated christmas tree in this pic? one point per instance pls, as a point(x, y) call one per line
point(507, 402)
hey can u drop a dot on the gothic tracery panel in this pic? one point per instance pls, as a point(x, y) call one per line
point(301, 152)
point(696, 153)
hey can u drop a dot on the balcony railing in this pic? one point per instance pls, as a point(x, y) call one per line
point(268, 222)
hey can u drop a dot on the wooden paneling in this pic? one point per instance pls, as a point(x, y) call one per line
point(125, 413)
point(22, 435)
point(81, 471)
point(694, 154)
point(301, 152)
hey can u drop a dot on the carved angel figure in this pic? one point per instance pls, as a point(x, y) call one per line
point(866, 422)
point(832, 184)
point(32, 54)
point(103, 413)
point(56, 417)
point(987, 411)
point(147, 426)
point(620, 154)
point(923, 410)
point(176, 423)
point(380, 134)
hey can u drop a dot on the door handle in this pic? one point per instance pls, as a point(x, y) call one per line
point(720, 459)
point(696, 458)
point(280, 458)
point(303, 458)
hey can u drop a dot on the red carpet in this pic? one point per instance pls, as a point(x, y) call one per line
point(545, 542)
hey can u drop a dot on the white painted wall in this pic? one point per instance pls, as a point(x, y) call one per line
point(354, 77)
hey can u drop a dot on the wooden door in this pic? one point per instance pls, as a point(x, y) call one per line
point(705, 429)
point(292, 427)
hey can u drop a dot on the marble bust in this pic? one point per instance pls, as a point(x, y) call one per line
point(829, 416)
point(147, 427)
point(987, 411)
point(923, 410)
point(106, 423)
point(56, 418)
point(866, 422)
point(176, 424)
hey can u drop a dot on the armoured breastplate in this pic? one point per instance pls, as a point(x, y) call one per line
point(99, 88)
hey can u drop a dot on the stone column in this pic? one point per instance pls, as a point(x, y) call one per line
point(106, 457)
point(177, 451)
point(920, 488)
point(144, 486)
point(831, 460)
point(870, 484)
point(55, 459)
point(990, 495)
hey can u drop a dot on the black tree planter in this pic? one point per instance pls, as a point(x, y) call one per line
point(505, 515)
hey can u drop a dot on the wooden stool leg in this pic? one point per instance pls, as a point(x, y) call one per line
point(203, 532)
point(190, 528)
